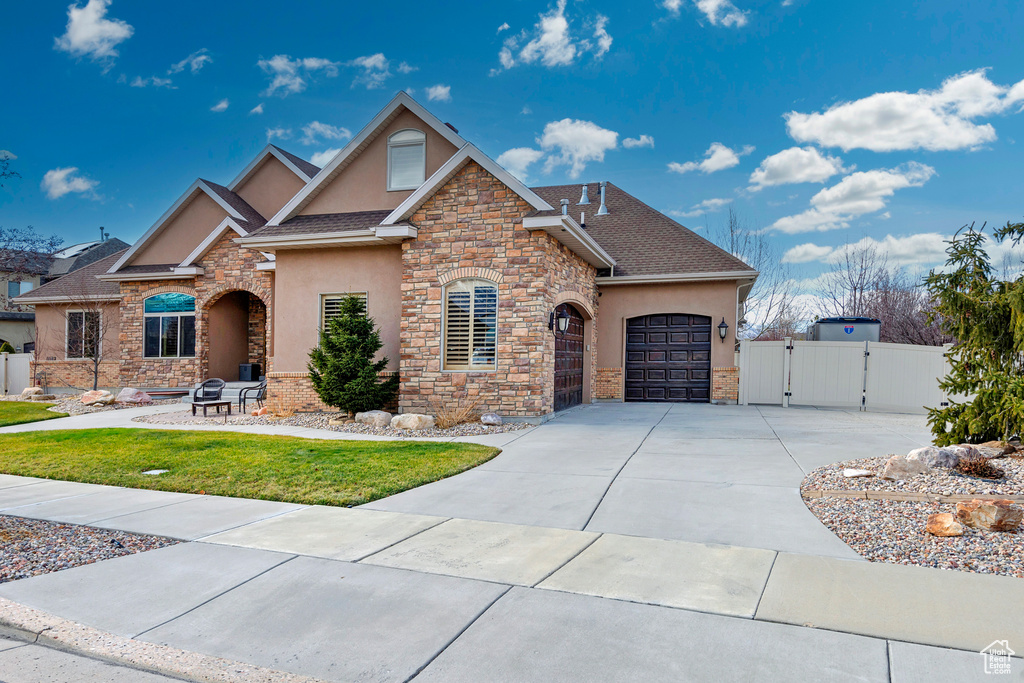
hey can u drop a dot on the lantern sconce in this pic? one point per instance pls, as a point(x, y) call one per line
point(558, 321)
point(723, 330)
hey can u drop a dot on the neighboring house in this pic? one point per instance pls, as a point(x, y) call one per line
point(482, 287)
point(80, 255)
point(20, 273)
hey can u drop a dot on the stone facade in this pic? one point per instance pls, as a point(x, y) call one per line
point(608, 384)
point(725, 384)
point(472, 228)
point(292, 392)
point(65, 376)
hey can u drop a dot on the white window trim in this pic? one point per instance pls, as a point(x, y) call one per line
point(145, 316)
point(444, 330)
point(392, 145)
point(324, 295)
point(67, 333)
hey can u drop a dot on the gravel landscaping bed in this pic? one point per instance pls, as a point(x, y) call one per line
point(893, 531)
point(73, 406)
point(322, 421)
point(941, 481)
point(29, 547)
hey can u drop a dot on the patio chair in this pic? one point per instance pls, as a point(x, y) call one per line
point(257, 393)
point(210, 390)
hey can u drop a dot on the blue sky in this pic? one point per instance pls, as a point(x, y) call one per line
point(824, 123)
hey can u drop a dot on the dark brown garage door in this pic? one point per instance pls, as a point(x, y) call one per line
point(668, 358)
point(569, 361)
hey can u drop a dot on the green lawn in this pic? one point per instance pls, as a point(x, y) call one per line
point(20, 412)
point(232, 464)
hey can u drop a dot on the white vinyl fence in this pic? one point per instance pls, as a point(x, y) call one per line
point(899, 378)
point(15, 372)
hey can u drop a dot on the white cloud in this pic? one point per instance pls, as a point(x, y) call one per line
point(282, 133)
point(322, 158)
point(928, 119)
point(375, 71)
point(526, 111)
point(258, 109)
point(154, 81)
point(313, 132)
point(805, 253)
point(796, 165)
point(642, 141)
point(289, 75)
point(672, 6)
point(706, 206)
point(517, 160)
point(439, 93)
point(503, 27)
point(90, 34)
point(220, 106)
point(551, 42)
point(62, 181)
point(7, 154)
point(721, 12)
point(717, 158)
point(195, 61)
point(406, 68)
point(855, 195)
point(577, 143)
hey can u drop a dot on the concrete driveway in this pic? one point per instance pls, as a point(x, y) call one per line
point(693, 472)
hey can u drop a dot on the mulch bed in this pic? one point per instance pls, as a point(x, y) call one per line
point(29, 547)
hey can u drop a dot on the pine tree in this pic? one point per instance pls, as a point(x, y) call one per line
point(342, 368)
point(5, 347)
point(985, 315)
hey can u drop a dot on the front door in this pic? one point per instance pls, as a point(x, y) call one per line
point(569, 361)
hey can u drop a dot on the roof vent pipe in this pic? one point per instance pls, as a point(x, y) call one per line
point(565, 207)
point(583, 220)
point(603, 211)
point(584, 199)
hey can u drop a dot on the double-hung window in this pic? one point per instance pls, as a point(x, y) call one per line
point(470, 325)
point(170, 330)
point(330, 306)
point(407, 159)
point(83, 334)
point(18, 288)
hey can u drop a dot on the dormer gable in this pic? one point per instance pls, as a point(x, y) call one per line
point(271, 179)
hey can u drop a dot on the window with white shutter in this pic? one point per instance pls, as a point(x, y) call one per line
point(407, 159)
point(330, 305)
point(471, 321)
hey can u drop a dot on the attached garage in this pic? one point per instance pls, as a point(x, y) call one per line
point(668, 358)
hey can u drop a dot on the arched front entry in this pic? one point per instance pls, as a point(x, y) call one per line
point(668, 358)
point(236, 334)
point(569, 355)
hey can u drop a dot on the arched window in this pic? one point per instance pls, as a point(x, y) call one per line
point(470, 325)
point(170, 328)
point(407, 159)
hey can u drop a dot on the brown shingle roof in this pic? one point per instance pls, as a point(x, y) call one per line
point(324, 222)
point(79, 283)
point(306, 167)
point(642, 241)
point(250, 214)
point(147, 269)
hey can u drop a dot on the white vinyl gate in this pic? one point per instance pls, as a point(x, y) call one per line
point(15, 372)
point(901, 378)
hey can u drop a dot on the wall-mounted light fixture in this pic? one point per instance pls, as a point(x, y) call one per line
point(558, 321)
point(723, 330)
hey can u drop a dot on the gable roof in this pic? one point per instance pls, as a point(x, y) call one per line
point(643, 241)
point(324, 223)
point(81, 255)
point(78, 285)
point(357, 144)
point(248, 214)
point(20, 261)
point(300, 167)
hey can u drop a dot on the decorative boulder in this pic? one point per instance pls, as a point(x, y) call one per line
point(491, 419)
point(964, 451)
point(412, 421)
point(374, 418)
point(42, 397)
point(97, 398)
point(936, 457)
point(853, 473)
point(31, 391)
point(902, 467)
point(995, 449)
point(262, 411)
point(990, 515)
point(943, 524)
point(136, 396)
point(338, 421)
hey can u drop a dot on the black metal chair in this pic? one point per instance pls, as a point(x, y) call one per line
point(210, 390)
point(257, 394)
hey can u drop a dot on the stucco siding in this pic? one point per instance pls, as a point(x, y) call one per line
point(270, 187)
point(183, 234)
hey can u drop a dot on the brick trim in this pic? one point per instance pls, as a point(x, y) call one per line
point(467, 273)
point(577, 299)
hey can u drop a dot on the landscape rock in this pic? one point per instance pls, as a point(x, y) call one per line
point(995, 449)
point(261, 411)
point(98, 398)
point(902, 467)
point(31, 391)
point(412, 421)
point(944, 524)
point(491, 419)
point(374, 418)
point(964, 450)
point(936, 457)
point(135, 396)
point(852, 473)
point(338, 421)
point(42, 397)
point(990, 515)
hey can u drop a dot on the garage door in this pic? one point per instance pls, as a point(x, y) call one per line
point(569, 361)
point(668, 358)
